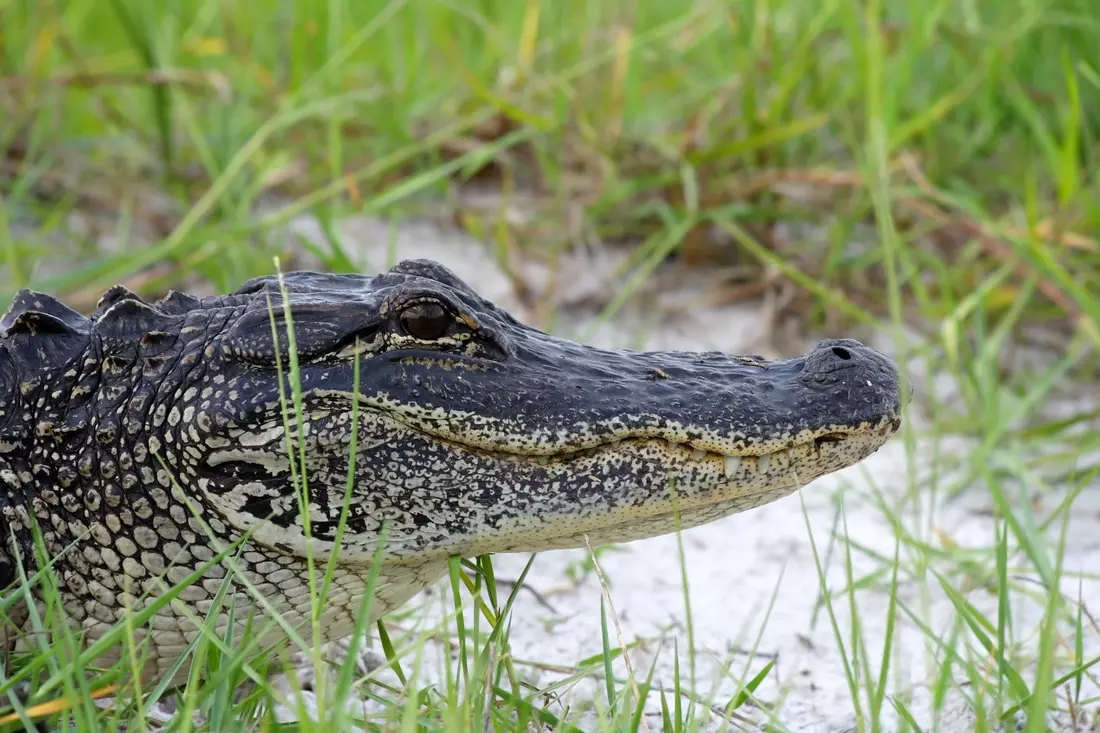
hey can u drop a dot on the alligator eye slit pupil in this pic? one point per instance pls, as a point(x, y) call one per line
point(425, 321)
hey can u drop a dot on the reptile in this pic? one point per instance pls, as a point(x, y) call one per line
point(205, 442)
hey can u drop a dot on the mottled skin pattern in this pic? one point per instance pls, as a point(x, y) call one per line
point(144, 439)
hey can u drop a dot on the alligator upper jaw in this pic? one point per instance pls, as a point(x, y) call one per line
point(675, 439)
point(553, 397)
point(867, 437)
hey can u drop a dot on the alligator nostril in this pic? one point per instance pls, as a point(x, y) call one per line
point(842, 353)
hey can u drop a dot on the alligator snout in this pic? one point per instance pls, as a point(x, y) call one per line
point(836, 360)
point(856, 379)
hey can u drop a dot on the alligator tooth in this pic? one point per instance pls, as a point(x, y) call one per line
point(733, 465)
point(544, 460)
point(763, 463)
point(700, 453)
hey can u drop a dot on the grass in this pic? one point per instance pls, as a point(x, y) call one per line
point(932, 164)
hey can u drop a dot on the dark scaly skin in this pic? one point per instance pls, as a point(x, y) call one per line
point(483, 435)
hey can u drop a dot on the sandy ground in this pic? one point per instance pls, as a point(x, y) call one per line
point(739, 566)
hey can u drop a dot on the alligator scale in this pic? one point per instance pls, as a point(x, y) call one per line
point(147, 438)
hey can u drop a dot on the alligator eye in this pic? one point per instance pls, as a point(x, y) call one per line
point(425, 321)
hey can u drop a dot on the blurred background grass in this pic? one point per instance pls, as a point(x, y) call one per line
point(964, 133)
point(927, 162)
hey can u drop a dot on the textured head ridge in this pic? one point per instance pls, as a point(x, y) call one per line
point(42, 332)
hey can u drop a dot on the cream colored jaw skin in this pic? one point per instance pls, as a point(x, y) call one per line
point(732, 464)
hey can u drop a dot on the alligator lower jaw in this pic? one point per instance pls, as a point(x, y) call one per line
point(876, 433)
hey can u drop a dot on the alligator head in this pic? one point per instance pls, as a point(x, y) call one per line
point(476, 433)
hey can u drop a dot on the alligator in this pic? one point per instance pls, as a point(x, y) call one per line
point(206, 444)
